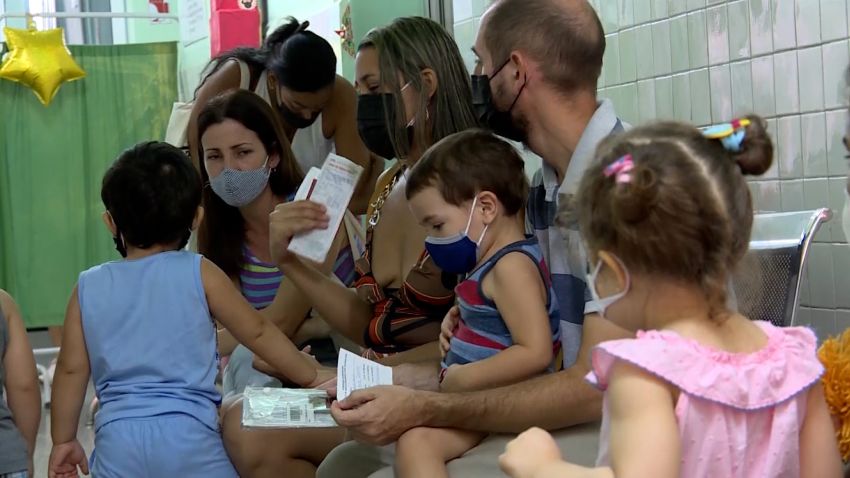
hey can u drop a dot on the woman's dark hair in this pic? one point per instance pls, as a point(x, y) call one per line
point(222, 233)
point(152, 192)
point(300, 60)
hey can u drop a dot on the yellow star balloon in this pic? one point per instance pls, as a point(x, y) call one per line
point(39, 60)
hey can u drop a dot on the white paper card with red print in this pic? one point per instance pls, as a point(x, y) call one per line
point(355, 372)
point(333, 189)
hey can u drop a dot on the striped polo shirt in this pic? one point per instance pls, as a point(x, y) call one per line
point(563, 247)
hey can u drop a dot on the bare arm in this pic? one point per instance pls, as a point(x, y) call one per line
point(644, 438)
point(520, 296)
point(819, 456)
point(429, 352)
point(349, 144)
point(251, 329)
point(555, 401)
point(552, 402)
point(340, 306)
point(22, 391)
point(71, 378)
point(226, 78)
point(290, 306)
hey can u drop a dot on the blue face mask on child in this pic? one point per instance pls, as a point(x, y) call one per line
point(456, 254)
point(603, 304)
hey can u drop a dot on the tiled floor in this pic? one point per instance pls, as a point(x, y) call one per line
point(43, 444)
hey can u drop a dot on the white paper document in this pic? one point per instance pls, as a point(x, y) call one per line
point(285, 408)
point(355, 372)
point(333, 189)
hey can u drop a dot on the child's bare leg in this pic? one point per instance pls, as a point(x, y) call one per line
point(423, 452)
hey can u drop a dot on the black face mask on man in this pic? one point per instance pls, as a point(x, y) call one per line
point(374, 126)
point(499, 122)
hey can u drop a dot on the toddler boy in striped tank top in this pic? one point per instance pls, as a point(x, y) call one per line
point(469, 191)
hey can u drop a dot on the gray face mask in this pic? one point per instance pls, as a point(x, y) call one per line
point(238, 188)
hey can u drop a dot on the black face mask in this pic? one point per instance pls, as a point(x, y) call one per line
point(295, 120)
point(373, 126)
point(499, 122)
point(119, 243)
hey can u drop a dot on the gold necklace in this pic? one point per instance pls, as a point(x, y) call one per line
point(381, 199)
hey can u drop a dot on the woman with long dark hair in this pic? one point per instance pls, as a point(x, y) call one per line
point(413, 90)
point(295, 72)
point(248, 169)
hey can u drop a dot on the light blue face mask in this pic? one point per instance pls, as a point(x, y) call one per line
point(239, 188)
point(603, 304)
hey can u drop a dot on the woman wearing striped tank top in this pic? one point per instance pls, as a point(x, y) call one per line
point(248, 169)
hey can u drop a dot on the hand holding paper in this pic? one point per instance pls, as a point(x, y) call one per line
point(305, 408)
point(333, 189)
point(355, 372)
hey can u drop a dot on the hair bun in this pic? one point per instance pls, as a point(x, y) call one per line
point(756, 155)
point(287, 29)
point(634, 200)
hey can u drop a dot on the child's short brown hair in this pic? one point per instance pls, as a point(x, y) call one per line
point(685, 213)
point(463, 164)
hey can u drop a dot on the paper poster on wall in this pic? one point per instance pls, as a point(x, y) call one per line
point(194, 24)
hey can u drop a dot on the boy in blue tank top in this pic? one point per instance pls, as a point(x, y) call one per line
point(143, 328)
point(469, 191)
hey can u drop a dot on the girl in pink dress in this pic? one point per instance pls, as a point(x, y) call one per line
point(701, 391)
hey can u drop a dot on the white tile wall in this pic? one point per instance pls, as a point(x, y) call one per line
point(704, 61)
point(739, 32)
point(718, 35)
point(761, 29)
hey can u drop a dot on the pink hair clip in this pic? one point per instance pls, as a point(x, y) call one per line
point(621, 169)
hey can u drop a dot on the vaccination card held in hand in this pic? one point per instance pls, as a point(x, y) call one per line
point(331, 187)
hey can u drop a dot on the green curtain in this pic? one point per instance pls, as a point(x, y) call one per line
point(52, 160)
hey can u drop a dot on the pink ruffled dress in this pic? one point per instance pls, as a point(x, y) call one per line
point(739, 415)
